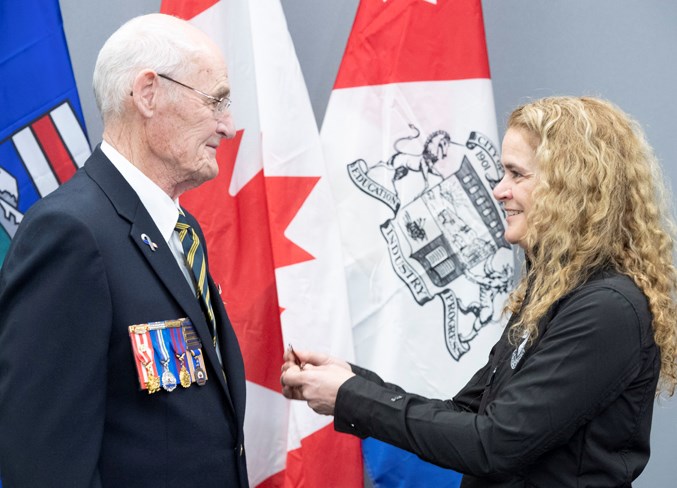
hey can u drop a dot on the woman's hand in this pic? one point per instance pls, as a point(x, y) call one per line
point(313, 377)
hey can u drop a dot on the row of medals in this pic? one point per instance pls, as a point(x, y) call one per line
point(168, 379)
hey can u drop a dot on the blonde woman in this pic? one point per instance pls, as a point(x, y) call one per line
point(567, 394)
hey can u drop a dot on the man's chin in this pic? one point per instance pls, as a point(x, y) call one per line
point(213, 171)
point(210, 169)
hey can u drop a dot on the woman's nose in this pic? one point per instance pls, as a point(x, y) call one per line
point(502, 190)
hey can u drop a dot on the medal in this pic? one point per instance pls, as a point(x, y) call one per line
point(184, 376)
point(153, 382)
point(168, 378)
point(193, 344)
point(200, 375)
point(145, 356)
point(179, 347)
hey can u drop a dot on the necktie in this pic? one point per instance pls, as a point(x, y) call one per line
point(195, 258)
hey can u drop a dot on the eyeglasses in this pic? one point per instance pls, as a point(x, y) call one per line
point(219, 105)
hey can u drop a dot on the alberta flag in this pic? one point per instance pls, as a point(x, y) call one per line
point(273, 243)
point(42, 135)
point(411, 145)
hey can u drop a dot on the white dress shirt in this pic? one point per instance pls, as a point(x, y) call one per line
point(162, 209)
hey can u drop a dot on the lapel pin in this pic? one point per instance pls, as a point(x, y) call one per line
point(146, 240)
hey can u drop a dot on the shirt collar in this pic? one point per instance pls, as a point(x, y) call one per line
point(162, 209)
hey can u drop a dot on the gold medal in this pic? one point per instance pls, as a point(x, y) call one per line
point(184, 377)
point(153, 382)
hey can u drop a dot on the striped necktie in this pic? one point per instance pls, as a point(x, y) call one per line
point(195, 258)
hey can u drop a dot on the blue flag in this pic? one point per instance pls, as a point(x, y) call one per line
point(391, 467)
point(42, 135)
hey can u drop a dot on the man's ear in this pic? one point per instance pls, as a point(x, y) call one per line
point(144, 92)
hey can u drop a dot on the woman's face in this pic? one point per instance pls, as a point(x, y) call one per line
point(515, 188)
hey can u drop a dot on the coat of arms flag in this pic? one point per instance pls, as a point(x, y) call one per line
point(411, 146)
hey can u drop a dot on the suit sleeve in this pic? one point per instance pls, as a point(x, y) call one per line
point(589, 354)
point(54, 333)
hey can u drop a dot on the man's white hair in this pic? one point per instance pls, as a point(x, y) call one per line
point(156, 41)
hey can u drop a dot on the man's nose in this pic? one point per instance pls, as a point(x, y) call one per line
point(225, 126)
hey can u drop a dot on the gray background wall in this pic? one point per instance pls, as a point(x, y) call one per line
point(623, 50)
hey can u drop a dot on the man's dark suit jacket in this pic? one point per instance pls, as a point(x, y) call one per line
point(77, 274)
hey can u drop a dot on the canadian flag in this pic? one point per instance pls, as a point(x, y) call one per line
point(273, 243)
point(410, 141)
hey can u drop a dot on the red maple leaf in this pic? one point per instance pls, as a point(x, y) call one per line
point(186, 9)
point(246, 243)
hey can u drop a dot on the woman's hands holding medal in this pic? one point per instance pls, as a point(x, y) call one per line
point(313, 377)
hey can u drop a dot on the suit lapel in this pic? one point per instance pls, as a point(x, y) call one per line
point(230, 351)
point(161, 260)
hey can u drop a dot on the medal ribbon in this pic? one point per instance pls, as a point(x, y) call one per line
point(144, 353)
point(179, 347)
point(178, 343)
point(168, 378)
point(161, 347)
point(193, 344)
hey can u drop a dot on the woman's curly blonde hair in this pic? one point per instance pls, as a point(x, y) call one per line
point(599, 201)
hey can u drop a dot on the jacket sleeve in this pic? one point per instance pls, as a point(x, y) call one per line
point(54, 332)
point(589, 354)
point(374, 378)
point(468, 399)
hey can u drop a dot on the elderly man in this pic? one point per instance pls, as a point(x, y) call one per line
point(118, 364)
